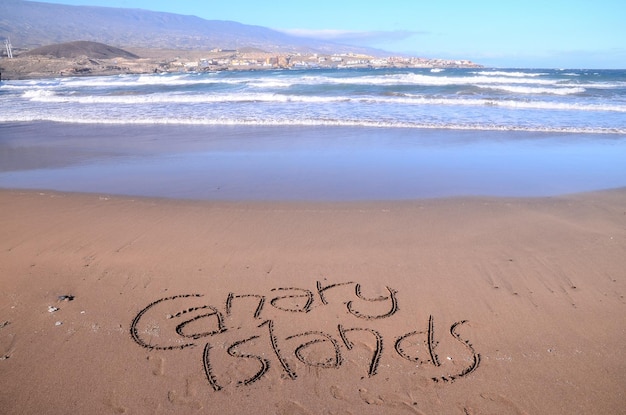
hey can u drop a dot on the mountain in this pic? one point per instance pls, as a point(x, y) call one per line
point(31, 24)
point(79, 49)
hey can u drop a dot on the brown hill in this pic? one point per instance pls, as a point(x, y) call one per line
point(93, 50)
point(31, 24)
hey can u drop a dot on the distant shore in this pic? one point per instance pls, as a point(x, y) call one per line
point(174, 61)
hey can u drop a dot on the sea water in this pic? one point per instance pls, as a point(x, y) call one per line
point(318, 134)
point(590, 101)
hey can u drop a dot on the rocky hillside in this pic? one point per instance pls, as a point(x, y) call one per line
point(32, 24)
point(78, 49)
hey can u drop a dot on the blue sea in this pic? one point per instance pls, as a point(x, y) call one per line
point(318, 134)
point(588, 101)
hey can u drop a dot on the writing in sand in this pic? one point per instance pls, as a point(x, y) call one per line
point(248, 325)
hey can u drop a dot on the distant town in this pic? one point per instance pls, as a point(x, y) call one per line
point(219, 59)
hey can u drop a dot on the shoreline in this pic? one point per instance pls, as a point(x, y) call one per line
point(346, 204)
point(458, 305)
point(162, 61)
point(324, 163)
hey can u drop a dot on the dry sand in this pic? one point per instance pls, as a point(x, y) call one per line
point(459, 306)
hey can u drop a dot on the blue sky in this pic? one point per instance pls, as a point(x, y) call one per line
point(503, 33)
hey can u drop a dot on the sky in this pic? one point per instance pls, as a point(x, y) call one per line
point(500, 33)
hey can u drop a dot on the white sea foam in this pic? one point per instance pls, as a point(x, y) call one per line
point(512, 74)
point(259, 82)
point(313, 80)
point(428, 80)
point(51, 97)
point(510, 103)
point(46, 96)
point(535, 90)
point(311, 122)
point(507, 100)
point(130, 81)
point(39, 94)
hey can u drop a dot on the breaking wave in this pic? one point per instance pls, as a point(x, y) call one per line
point(511, 100)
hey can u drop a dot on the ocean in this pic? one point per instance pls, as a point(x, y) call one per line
point(318, 134)
point(587, 101)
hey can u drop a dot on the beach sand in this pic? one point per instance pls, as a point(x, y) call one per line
point(446, 306)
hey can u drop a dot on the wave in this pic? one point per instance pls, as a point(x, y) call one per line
point(46, 96)
point(133, 81)
point(535, 90)
point(311, 123)
point(121, 81)
point(452, 99)
point(39, 95)
point(428, 80)
point(164, 81)
point(51, 97)
point(416, 79)
point(540, 105)
point(289, 80)
point(512, 74)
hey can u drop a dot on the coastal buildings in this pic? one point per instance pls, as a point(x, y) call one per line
point(262, 60)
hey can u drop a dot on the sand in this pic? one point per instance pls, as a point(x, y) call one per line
point(113, 304)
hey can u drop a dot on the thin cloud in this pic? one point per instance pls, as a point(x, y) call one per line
point(353, 37)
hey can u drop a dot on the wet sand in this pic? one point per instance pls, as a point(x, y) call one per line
point(473, 305)
point(266, 163)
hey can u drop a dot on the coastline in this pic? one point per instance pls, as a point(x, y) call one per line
point(164, 61)
point(324, 163)
point(534, 286)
